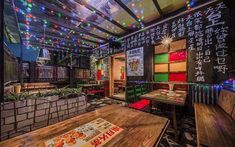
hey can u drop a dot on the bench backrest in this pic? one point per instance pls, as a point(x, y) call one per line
point(227, 102)
point(35, 84)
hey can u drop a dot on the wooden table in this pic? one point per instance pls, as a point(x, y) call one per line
point(140, 128)
point(163, 96)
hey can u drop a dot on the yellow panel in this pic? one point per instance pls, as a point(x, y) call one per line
point(178, 67)
point(168, 6)
point(178, 45)
point(161, 68)
point(161, 49)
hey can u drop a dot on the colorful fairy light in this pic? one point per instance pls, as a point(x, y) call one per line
point(29, 17)
point(190, 4)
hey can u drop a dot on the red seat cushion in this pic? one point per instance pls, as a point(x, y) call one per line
point(140, 104)
point(94, 91)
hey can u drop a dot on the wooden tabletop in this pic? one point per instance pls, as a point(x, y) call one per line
point(215, 128)
point(140, 128)
point(165, 96)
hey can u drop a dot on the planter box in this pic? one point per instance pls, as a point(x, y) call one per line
point(35, 112)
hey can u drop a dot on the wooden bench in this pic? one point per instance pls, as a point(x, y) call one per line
point(37, 86)
point(215, 124)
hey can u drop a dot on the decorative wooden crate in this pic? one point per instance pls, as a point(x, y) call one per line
point(178, 56)
point(177, 77)
point(161, 49)
point(162, 58)
point(178, 45)
point(178, 67)
point(161, 77)
point(161, 68)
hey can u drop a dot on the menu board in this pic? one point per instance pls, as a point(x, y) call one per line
point(208, 43)
point(135, 62)
point(93, 134)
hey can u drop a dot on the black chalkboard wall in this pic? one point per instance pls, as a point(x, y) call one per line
point(207, 32)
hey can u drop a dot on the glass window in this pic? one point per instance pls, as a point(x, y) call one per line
point(143, 9)
point(112, 9)
point(168, 6)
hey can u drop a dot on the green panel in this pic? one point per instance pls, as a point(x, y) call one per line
point(99, 66)
point(162, 58)
point(138, 94)
point(130, 91)
point(161, 77)
point(138, 89)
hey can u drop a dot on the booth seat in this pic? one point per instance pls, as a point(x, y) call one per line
point(215, 124)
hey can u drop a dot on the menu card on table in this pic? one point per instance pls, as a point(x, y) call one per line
point(93, 134)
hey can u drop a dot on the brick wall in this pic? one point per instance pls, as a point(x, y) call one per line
point(23, 116)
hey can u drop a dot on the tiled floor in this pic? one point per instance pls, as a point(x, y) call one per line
point(186, 125)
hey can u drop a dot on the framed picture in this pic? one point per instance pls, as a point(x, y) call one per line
point(135, 62)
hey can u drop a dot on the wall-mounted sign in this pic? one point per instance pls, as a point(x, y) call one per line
point(135, 62)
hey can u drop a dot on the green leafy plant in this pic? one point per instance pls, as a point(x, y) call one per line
point(14, 96)
point(60, 92)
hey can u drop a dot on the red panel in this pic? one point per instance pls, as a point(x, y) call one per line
point(175, 56)
point(178, 77)
point(99, 74)
point(140, 104)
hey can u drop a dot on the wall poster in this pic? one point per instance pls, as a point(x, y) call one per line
point(135, 62)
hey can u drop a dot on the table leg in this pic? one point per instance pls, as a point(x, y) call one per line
point(174, 121)
point(150, 106)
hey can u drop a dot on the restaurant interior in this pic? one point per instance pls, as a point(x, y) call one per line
point(124, 73)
